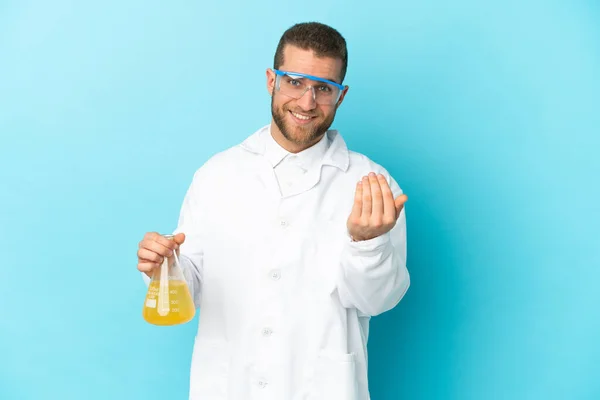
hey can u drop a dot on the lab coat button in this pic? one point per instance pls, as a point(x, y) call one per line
point(275, 275)
point(262, 384)
point(267, 332)
point(283, 223)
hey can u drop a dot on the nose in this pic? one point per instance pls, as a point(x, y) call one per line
point(307, 101)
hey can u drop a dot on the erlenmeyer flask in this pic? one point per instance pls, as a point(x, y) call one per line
point(168, 301)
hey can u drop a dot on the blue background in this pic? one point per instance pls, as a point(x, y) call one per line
point(487, 115)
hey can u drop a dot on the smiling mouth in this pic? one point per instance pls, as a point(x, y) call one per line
point(301, 117)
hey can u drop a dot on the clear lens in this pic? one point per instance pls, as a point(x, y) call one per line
point(296, 86)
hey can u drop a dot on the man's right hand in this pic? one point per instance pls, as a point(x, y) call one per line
point(154, 248)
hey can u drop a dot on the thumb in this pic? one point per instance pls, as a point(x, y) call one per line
point(399, 203)
point(179, 238)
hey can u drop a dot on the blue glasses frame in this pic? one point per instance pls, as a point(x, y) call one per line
point(311, 77)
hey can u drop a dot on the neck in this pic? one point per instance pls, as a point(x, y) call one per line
point(288, 145)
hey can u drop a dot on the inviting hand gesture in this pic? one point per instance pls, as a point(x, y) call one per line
point(375, 210)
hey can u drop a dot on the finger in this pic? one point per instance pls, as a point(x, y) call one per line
point(151, 236)
point(179, 238)
point(399, 203)
point(389, 209)
point(167, 242)
point(148, 255)
point(367, 201)
point(357, 207)
point(147, 266)
point(377, 212)
point(157, 237)
point(157, 247)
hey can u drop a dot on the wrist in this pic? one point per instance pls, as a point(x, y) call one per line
point(364, 242)
point(358, 238)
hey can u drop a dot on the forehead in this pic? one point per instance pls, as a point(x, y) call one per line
point(296, 59)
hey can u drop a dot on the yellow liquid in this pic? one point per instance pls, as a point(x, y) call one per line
point(181, 305)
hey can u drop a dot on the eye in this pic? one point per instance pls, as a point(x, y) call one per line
point(324, 88)
point(293, 82)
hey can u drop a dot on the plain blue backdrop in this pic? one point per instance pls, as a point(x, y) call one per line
point(486, 114)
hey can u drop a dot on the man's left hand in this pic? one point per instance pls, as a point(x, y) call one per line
point(375, 210)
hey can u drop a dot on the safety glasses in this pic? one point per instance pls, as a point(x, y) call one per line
point(295, 85)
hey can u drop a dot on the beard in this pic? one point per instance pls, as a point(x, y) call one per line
point(297, 134)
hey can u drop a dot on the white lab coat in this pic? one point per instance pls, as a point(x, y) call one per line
point(284, 295)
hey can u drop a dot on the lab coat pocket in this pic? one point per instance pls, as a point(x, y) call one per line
point(209, 371)
point(335, 377)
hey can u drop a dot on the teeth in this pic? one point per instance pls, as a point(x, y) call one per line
point(300, 116)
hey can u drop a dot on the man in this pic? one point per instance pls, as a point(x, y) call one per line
point(290, 243)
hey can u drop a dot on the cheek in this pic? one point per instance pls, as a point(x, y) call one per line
point(285, 105)
point(326, 112)
point(277, 104)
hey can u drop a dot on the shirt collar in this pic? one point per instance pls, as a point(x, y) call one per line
point(274, 153)
point(331, 150)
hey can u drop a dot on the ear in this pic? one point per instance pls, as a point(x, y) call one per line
point(270, 81)
point(342, 96)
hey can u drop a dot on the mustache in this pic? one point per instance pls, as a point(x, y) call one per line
point(301, 112)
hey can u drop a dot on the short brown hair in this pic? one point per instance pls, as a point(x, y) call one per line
point(320, 38)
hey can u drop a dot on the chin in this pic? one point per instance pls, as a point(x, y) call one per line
point(302, 136)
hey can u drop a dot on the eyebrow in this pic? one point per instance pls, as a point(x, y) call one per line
point(329, 79)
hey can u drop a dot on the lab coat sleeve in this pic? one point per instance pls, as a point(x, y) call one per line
point(374, 277)
point(191, 252)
